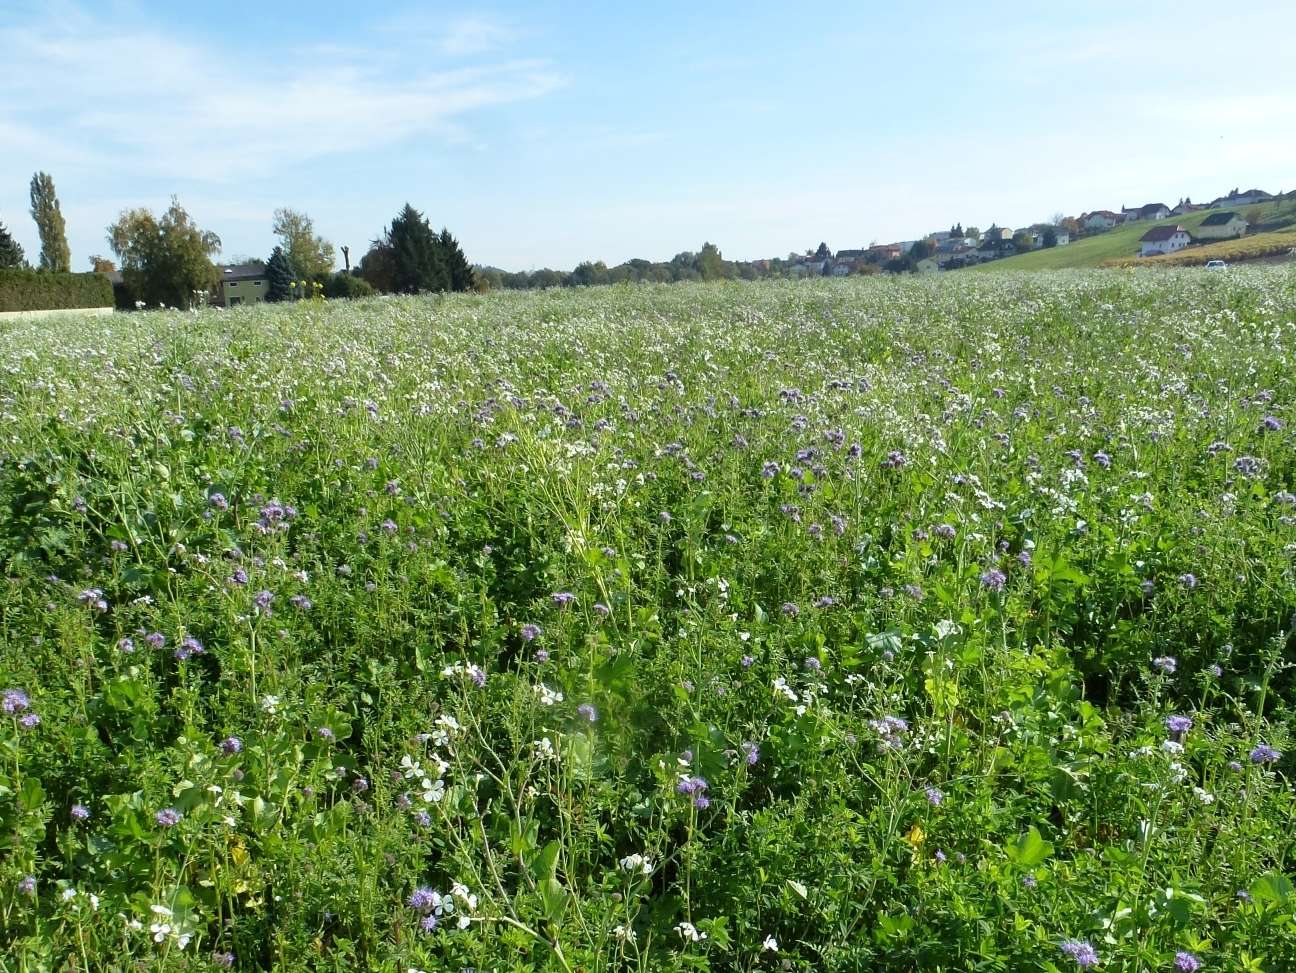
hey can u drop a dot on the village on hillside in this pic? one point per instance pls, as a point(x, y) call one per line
point(957, 247)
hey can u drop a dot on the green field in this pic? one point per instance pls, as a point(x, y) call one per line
point(1123, 241)
point(921, 624)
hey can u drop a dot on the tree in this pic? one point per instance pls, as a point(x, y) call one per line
point(11, 251)
point(461, 272)
point(823, 253)
point(1255, 216)
point(1023, 242)
point(164, 261)
point(408, 258)
point(1050, 238)
point(973, 233)
point(921, 250)
point(102, 265)
point(310, 255)
point(45, 210)
point(279, 276)
point(711, 263)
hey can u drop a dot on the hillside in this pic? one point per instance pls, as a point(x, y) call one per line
point(1123, 242)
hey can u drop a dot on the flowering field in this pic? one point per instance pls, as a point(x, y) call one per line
point(932, 625)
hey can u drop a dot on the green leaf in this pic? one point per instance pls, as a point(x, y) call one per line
point(31, 795)
point(546, 863)
point(1030, 849)
point(554, 898)
point(1271, 887)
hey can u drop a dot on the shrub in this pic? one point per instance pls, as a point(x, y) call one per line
point(344, 285)
point(31, 290)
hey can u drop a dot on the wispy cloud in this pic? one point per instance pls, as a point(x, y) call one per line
point(112, 94)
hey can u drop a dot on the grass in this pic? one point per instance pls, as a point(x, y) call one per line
point(921, 624)
point(1122, 242)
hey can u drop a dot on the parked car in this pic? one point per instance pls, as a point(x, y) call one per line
point(1216, 265)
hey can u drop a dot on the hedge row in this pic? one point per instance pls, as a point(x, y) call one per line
point(32, 290)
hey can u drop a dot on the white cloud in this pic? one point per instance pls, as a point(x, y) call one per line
point(159, 104)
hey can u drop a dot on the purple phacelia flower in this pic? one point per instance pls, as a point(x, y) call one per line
point(217, 501)
point(27, 885)
point(1178, 725)
point(750, 752)
point(231, 745)
point(155, 639)
point(746, 662)
point(1188, 580)
point(80, 812)
point(223, 959)
point(529, 632)
point(691, 785)
point(790, 609)
point(993, 579)
point(1166, 663)
point(14, 701)
point(934, 796)
point(1270, 424)
point(1083, 953)
point(29, 721)
point(587, 712)
point(813, 664)
point(1185, 962)
point(1265, 754)
point(563, 598)
point(168, 817)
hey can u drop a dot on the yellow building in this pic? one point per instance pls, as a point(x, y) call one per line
point(241, 285)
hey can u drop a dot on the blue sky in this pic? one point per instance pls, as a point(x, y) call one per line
point(545, 133)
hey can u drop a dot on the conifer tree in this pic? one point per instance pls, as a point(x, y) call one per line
point(280, 276)
point(461, 272)
point(45, 210)
point(11, 251)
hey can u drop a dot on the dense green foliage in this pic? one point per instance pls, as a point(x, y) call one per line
point(45, 210)
point(899, 624)
point(279, 276)
point(309, 255)
point(348, 286)
point(165, 261)
point(33, 290)
point(11, 251)
point(412, 258)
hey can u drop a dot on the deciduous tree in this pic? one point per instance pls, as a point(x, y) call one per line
point(45, 210)
point(164, 261)
point(310, 255)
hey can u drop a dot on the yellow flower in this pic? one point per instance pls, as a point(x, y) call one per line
point(915, 836)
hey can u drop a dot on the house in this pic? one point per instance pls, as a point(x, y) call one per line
point(245, 284)
point(1149, 211)
point(1037, 233)
point(849, 256)
point(1163, 239)
point(1222, 226)
point(840, 268)
point(1246, 198)
point(881, 253)
point(1186, 206)
point(1100, 219)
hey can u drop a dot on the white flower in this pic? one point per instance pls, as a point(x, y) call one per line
point(1205, 796)
point(432, 791)
point(160, 931)
point(637, 863)
point(624, 934)
point(770, 945)
point(94, 901)
point(544, 749)
point(270, 704)
point(689, 932)
point(410, 767)
point(548, 696)
point(68, 895)
point(460, 891)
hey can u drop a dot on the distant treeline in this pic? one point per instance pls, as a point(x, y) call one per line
point(706, 264)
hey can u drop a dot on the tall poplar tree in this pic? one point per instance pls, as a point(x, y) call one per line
point(55, 254)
